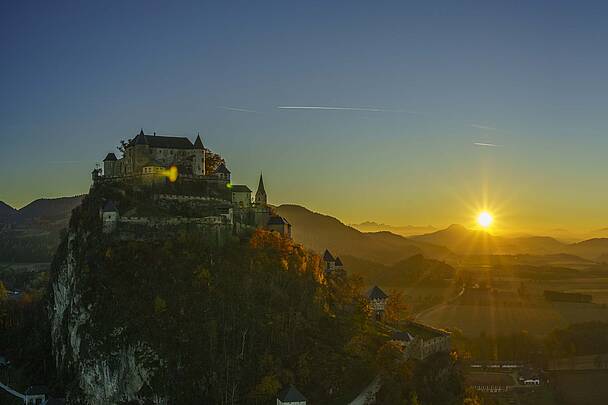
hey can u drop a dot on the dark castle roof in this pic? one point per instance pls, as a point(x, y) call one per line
point(402, 336)
point(167, 142)
point(277, 220)
point(338, 262)
point(110, 157)
point(377, 294)
point(327, 256)
point(291, 394)
point(110, 206)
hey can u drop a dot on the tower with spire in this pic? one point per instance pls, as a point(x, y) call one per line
point(261, 198)
point(198, 166)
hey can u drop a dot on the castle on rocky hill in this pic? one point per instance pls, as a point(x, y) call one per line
point(189, 187)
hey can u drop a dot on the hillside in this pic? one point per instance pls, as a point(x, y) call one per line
point(6, 211)
point(319, 232)
point(415, 270)
point(168, 323)
point(49, 209)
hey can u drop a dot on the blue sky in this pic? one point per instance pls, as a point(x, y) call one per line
point(437, 77)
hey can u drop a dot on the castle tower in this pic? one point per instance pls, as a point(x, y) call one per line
point(141, 152)
point(260, 195)
point(198, 167)
point(109, 164)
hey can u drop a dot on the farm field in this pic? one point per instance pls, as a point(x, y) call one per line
point(500, 320)
point(580, 387)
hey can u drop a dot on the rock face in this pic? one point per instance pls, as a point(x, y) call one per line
point(102, 375)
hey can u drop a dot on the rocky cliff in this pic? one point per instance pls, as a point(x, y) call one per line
point(177, 320)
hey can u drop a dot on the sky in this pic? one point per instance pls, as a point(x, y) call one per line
point(444, 107)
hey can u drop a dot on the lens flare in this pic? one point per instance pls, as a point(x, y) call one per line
point(171, 174)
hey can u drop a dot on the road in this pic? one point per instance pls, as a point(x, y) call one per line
point(368, 394)
point(451, 300)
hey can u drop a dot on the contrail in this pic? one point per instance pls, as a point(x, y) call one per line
point(483, 127)
point(491, 145)
point(239, 109)
point(316, 107)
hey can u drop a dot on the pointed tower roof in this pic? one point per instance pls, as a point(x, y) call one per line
point(261, 185)
point(140, 139)
point(198, 143)
point(377, 294)
point(110, 157)
point(338, 262)
point(327, 256)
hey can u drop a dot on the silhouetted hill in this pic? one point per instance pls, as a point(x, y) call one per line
point(318, 232)
point(472, 242)
point(593, 249)
point(463, 241)
point(6, 211)
point(49, 209)
point(406, 230)
point(416, 270)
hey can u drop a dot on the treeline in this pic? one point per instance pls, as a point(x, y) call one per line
point(15, 248)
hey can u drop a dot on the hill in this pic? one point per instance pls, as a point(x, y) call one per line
point(6, 211)
point(405, 230)
point(416, 270)
point(49, 209)
point(465, 241)
point(319, 232)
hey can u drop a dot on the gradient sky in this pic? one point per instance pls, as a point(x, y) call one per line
point(76, 77)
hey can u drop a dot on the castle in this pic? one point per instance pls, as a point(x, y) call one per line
point(189, 187)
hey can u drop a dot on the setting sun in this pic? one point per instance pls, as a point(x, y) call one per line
point(484, 219)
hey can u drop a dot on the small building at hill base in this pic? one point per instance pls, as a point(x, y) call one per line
point(377, 299)
point(420, 341)
point(290, 396)
point(331, 263)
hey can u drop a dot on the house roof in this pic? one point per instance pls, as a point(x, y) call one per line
point(327, 256)
point(240, 188)
point(110, 157)
point(222, 169)
point(37, 390)
point(110, 206)
point(277, 220)
point(338, 262)
point(376, 294)
point(291, 394)
point(402, 336)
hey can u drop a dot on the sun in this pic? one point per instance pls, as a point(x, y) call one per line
point(484, 219)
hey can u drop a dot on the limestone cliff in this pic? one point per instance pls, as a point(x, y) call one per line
point(102, 375)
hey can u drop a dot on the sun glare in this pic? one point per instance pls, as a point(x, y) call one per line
point(484, 219)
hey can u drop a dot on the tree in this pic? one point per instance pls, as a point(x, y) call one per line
point(3, 292)
point(212, 161)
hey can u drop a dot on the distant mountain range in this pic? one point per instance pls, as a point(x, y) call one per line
point(405, 230)
point(40, 210)
point(464, 241)
point(318, 232)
